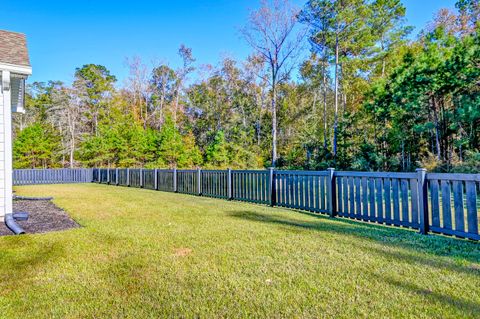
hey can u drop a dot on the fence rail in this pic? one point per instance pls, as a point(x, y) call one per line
point(429, 202)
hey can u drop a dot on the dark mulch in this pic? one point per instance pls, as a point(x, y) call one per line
point(44, 216)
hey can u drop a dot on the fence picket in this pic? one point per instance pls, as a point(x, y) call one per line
point(371, 194)
point(435, 203)
point(339, 198)
point(414, 201)
point(446, 209)
point(345, 196)
point(472, 218)
point(396, 203)
point(379, 199)
point(458, 205)
point(351, 193)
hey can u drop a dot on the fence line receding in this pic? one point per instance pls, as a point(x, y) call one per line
point(429, 202)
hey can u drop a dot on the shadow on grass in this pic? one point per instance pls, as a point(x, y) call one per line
point(456, 250)
point(18, 264)
point(473, 308)
point(361, 236)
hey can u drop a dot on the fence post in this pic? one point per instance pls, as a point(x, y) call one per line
point(273, 192)
point(423, 200)
point(199, 181)
point(175, 188)
point(229, 184)
point(108, 175)
point(331, 193)
point(141, 177)
point(116, 176)
point(128, 177)
point(155, 179)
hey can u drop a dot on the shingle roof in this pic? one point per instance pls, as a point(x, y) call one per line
point(13, 48)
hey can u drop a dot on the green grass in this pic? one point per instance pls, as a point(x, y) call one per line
point(147, 254)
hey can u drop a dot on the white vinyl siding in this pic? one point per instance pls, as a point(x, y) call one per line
point(2, 155)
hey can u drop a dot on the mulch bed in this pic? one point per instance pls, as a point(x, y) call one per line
point(44, 216)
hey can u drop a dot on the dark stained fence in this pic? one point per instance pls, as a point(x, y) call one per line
point(122, 177)
point(454, 204)
point(149, 179)
point(165, 180)
point(112, 176)
point(214, 183)
point(306, 190)
point(389, 198)
point(95, 175)
point(52, 176)
point(187, 182)
point(251, 186)
point(135, 177)
point(429, 202)
point(104, 176)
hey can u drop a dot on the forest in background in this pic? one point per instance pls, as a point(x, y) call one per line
point(369, 96)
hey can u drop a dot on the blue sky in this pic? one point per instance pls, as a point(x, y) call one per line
point(63, 35)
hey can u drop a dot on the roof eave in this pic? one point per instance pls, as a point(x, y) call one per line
point(15, 68)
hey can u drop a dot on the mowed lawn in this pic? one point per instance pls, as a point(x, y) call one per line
point(148, 254)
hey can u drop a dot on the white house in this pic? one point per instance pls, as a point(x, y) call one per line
point(14, 69)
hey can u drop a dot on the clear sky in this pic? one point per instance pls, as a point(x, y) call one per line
point(64, 34)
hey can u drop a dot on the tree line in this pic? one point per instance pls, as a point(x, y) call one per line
point(369, 95)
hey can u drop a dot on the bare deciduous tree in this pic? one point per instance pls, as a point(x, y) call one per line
point(163, 83)
point(67, 118)
point(182, 73)
point(272, 34)
point(139, 89)
point(255, 68)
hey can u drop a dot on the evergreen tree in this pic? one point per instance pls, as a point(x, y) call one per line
point(37, 146)
point(95, 85)
point(217, 152)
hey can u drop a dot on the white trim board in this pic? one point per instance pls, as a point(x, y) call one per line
point(18, 69)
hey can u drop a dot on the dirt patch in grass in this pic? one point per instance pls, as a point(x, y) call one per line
point(182, 252)
point(44, 216)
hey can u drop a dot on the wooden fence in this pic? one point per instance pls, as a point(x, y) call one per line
point(428, 202)
point(53, 176)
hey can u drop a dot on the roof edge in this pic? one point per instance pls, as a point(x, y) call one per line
point(16, 32)
point(16, 68)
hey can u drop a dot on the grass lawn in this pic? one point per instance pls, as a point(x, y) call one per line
point(148, 254)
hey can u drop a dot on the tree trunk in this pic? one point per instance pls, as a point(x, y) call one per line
point(176, 107)
point(437, 128)
point(259, 126)
point(274, 123)
point(72, 151)
point(145, 120)
point(383, 67)
point(443, 132)
point(335, 123)
point(324, 71)
point(384, 62)
point(95, 128)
